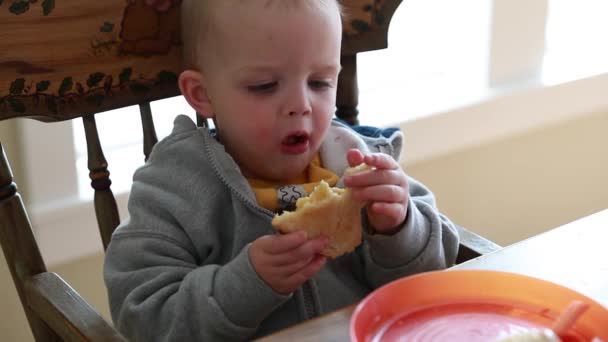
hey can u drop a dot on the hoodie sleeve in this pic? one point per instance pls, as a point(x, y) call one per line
point(158, 292)
point(427, 241)
point(161, 286)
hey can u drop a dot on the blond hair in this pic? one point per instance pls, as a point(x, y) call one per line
point(196, 21)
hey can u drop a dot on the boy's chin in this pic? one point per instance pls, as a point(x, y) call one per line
point(289, 175)
point(279, 170)
point(288, 171)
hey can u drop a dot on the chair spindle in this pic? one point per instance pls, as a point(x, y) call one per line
point(106, 209)
point(347, 97)
point(201, 121)
point(147, 123)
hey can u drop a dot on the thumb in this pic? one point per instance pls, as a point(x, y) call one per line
point(354, 157)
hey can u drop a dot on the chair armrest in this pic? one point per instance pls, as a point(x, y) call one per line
point(65, 311)
point(473, 245)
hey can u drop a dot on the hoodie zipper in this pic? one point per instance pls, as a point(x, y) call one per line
point(307, 297)
point(307, 291)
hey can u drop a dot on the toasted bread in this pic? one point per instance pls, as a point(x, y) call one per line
point(329, 211)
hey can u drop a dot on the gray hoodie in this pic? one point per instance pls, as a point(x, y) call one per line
point(178, 268)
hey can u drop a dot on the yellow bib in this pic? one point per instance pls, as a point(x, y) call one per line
point(279, 196)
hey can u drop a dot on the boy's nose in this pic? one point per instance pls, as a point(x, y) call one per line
point(296, 112)
point(298, 103)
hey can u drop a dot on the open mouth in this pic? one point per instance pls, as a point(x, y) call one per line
point(295, 143)
point(295, 139)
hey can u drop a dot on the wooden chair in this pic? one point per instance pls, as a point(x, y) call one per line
point(59, 69)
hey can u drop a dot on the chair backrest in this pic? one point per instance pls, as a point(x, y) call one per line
point(72, 59)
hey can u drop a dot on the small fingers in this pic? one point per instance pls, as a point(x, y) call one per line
point(285, 279)
point(376, 177)
point(381, 161)
point(380, 193)
point(395, 210)
point(377, 160)
point(299, 277)
point(281, 243)
point(303, 253)
point(387, 217)
point(285, 261)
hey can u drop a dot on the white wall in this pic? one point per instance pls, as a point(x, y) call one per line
point(520, 186)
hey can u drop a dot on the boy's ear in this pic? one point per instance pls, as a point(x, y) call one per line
point(192, 85)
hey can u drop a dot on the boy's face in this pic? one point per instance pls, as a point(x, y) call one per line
point(271, 84)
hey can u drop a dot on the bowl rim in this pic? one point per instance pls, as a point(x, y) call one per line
point(364, 303)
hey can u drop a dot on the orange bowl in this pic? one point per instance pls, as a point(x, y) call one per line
point(469, 305)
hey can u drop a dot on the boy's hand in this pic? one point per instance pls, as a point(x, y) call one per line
point(286, 261)
point(385, 190)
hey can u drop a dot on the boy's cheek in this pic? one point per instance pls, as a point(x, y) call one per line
point(260, 132)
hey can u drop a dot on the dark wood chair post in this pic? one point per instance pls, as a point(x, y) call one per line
point(347, 97)
point(105, 204)
point(201, 121)
point(147, 123)
point(475, 245)
point(19, 245)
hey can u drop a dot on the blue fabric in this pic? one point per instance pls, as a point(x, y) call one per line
point(370, 131)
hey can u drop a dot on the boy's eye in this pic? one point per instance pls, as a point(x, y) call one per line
point(318, 84)
point(263, 87)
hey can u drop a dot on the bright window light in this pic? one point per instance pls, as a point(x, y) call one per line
point(575, 40)
point(436, 59)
